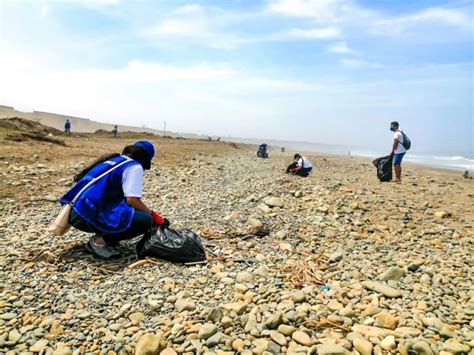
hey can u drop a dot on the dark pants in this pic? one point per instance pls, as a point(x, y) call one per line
point(141, 224)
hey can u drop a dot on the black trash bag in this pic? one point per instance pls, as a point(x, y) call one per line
point(384, 168)
point(181, 246)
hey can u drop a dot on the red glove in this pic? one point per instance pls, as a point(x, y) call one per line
point(157, 218)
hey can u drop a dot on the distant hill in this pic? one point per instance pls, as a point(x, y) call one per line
point(83, 125)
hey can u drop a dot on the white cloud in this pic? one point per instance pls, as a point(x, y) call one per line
point(341, 48)
point(320, 9)
point(431, 16)
point(178, 27)
point(313, 33)
point(361, 64)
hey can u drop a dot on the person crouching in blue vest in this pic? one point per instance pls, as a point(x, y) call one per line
point(112, 207)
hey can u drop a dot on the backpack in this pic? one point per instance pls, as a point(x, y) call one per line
point(406, 141)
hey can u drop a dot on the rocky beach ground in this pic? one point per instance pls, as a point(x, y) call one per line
point(336, 263)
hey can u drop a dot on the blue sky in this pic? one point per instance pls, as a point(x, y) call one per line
point(328, 71)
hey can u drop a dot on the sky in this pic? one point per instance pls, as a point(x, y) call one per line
point(329, 71)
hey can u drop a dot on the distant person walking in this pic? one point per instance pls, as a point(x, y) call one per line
point(67, 127)
point(400, 141)
point(300, 166)
point(115, 131)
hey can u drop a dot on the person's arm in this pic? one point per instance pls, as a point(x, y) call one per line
point(136, 202)
point(394, 147)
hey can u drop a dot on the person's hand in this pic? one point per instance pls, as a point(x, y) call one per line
point(392, 153)
point(157, 218)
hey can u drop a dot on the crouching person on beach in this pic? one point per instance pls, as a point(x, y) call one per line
point(299, 166)
point(111, 207)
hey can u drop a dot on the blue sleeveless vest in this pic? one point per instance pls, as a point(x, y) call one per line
point(102, 204)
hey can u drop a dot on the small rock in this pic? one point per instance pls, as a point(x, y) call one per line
point(214, 339)
point(393, 273)
point(39, 346)
point(455, 347)
point(207, 330)
point(298, 296)
point(274, 202)
point(388, 343)
point(336, 256)
point(136, 318)
point(287, 330)
point(255, 224)
point(331, 349)
point(215, 315)
point(301, 338)
point(422, 348)
point(278, 338)
point(226, 322)
point(238, 345)
point(334, 305)
point(442, 214)
point(386, 320)
point(148, 344)
point(183, 304)
point(244, 277)
point(169, 351)
point(14, 335)
point(383, 289)
point(363, 346)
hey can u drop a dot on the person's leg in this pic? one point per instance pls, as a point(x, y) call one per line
point(141, 224)
point(303, 172)
point(397, 166)
point(77, 222)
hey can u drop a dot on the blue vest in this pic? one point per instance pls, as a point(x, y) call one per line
point(102, 204)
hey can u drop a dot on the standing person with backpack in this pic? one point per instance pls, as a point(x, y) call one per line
point(401, 143)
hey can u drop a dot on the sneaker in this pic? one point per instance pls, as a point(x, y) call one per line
point(102, 251)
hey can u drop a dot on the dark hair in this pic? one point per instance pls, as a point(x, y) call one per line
point(296, 156)
point(395, 123)
point(139, 154)
point(134, 152)
point(89, 167)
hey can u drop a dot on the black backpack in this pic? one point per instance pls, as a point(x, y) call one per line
point(406, 141)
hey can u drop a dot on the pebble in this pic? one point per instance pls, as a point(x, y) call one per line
point(39, 346)
point(393, 273)
point(148, 344)
point(388, 343)
point(383, 289)
point(332, 349)
point(455, 347)
point(207, 330)
point(363, 346)
point(278, 338)
point(184, 304)
point(301, 338)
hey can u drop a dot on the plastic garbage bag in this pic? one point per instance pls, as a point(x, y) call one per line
point(173, 245)
point(384, 168)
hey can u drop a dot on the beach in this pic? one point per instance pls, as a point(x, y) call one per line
point(336, 263)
